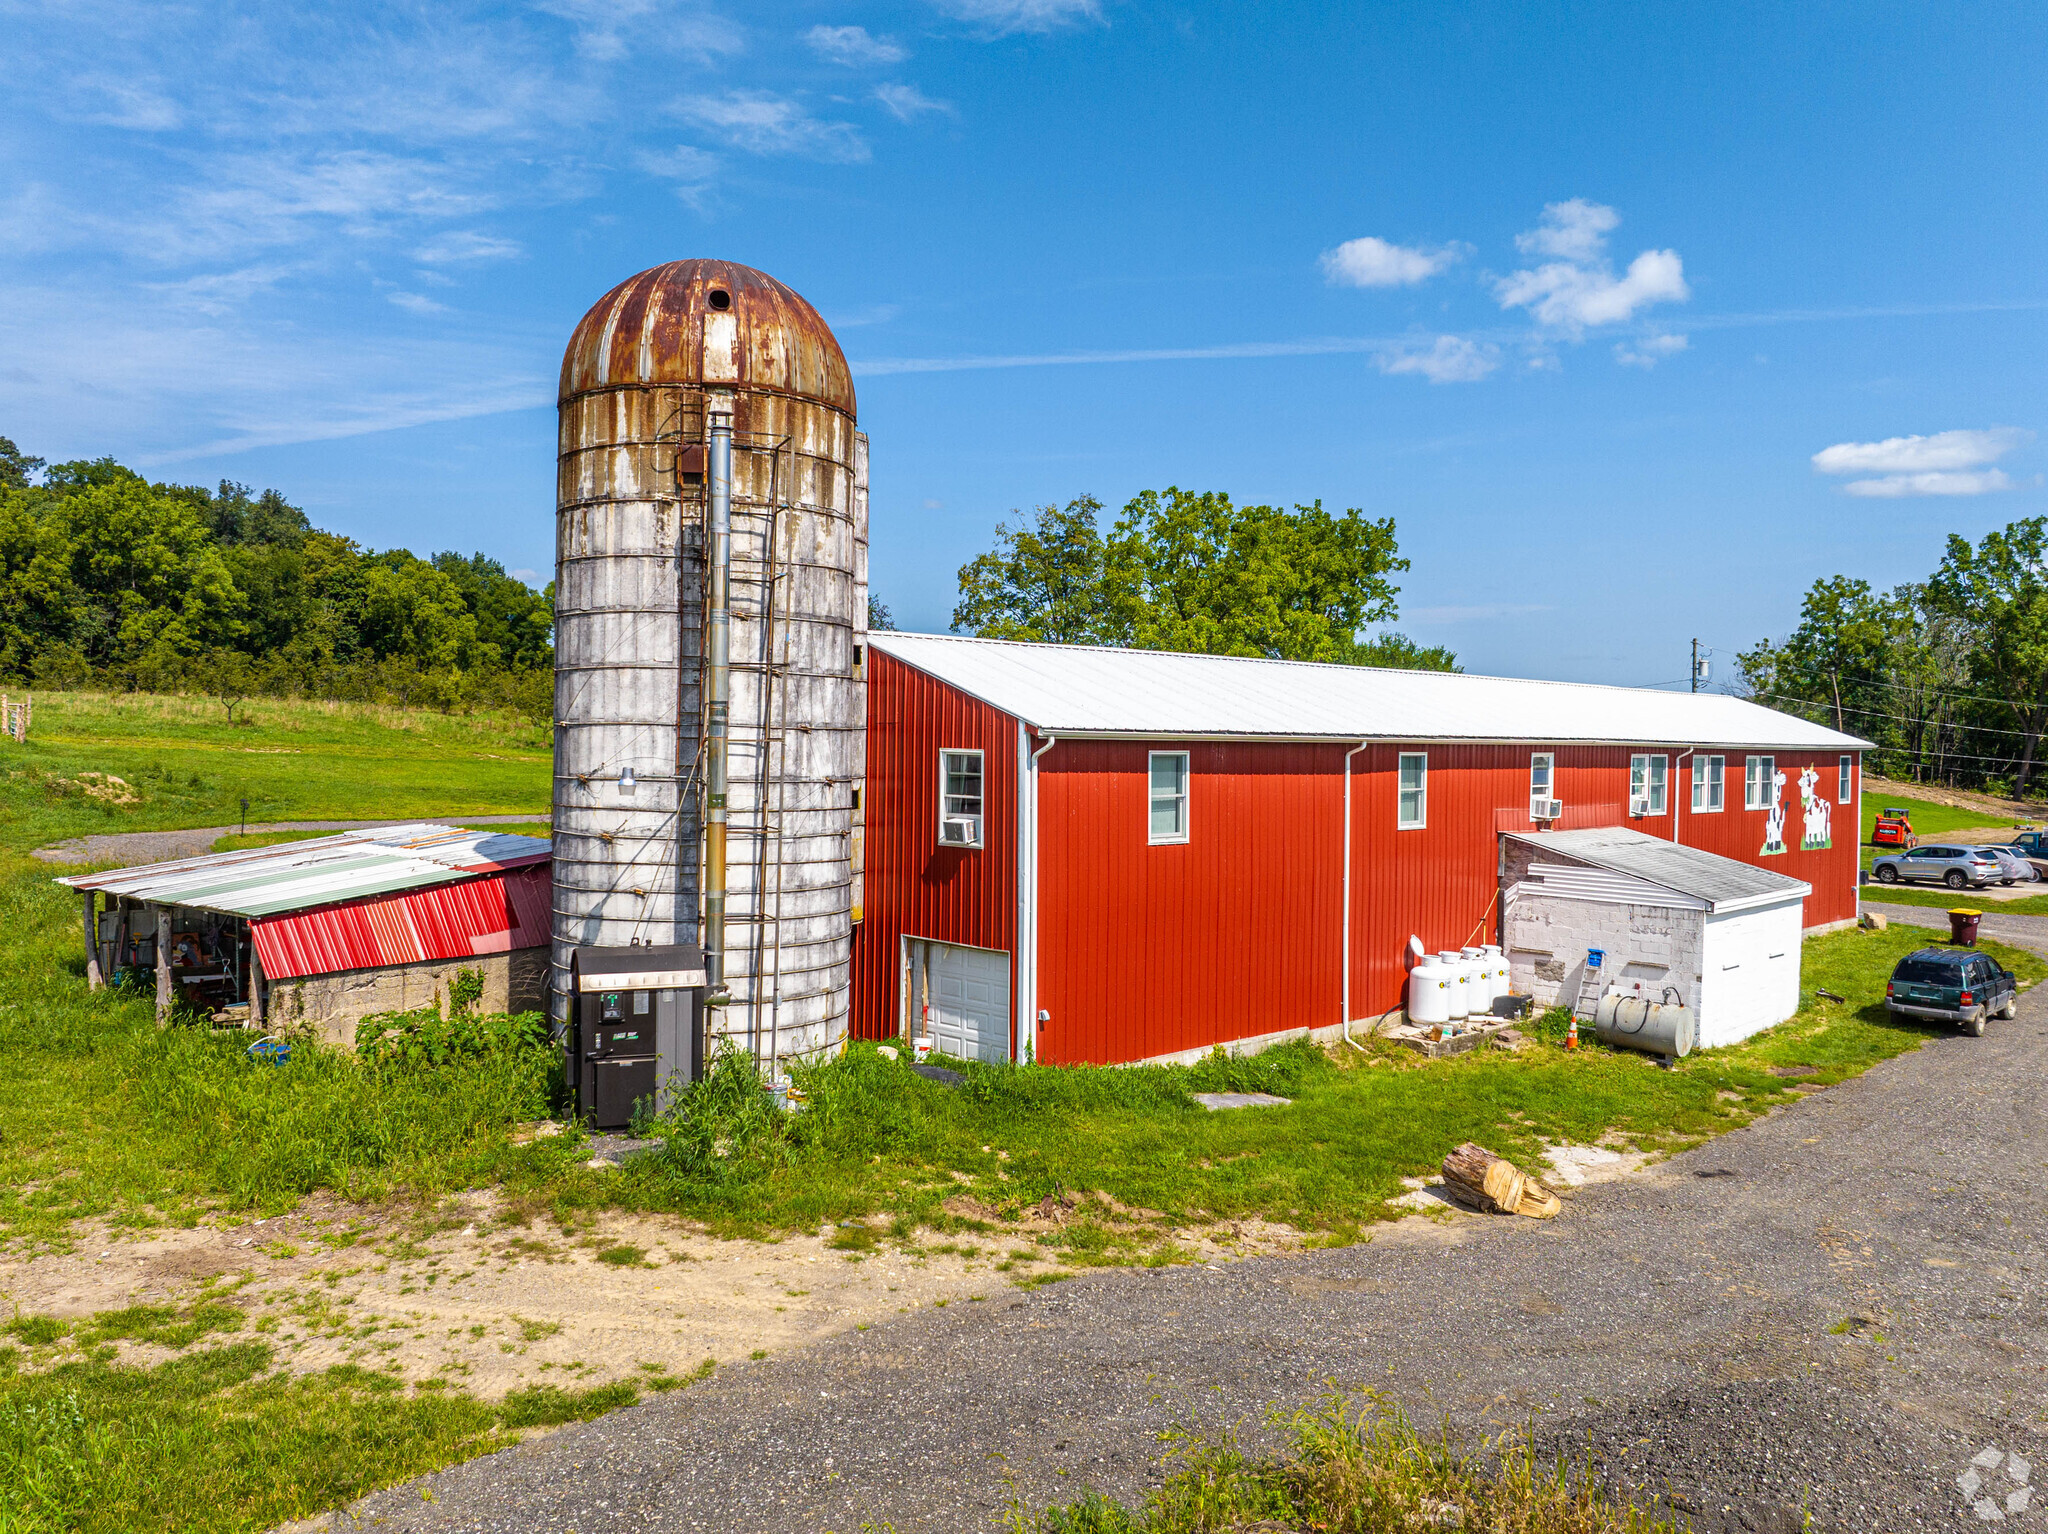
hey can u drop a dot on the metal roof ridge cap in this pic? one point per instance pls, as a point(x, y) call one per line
point(1736, 904)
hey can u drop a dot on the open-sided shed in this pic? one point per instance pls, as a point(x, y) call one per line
point(327, 931)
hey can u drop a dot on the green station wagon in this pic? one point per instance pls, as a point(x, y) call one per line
point(1949, 985)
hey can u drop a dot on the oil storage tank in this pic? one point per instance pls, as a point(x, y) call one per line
point(712, 507)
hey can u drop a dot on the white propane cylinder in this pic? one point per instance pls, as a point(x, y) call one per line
point(1459, 989)
point(1478, 980)
point(1498, 963)
point(1429, 993)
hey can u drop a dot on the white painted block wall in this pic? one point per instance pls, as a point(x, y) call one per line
point(1549, 935)
point(1750, 974)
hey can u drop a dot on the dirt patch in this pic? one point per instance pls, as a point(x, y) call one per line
point(468, 1293)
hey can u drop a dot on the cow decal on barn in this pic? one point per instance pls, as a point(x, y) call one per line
point(1817, 813)
point(1774, 823)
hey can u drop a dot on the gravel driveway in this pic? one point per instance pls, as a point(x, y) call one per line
point(1834, 1309)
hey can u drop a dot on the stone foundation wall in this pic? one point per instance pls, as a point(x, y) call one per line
point(332, 1005)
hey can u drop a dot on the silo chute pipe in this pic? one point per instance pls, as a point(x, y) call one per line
point(717, 695)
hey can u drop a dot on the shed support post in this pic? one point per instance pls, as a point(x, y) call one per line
point(163, 965)
point(93, 979)
point(255, 983)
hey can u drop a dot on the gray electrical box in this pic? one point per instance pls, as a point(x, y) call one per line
point(636, 1028)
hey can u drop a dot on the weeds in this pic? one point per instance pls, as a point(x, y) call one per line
point(1353, 1465)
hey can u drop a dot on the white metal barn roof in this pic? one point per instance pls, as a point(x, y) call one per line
point(291, 876)
point(1091, 690)
point(1716, 883)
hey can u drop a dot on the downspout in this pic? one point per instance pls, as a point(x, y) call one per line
point(1678, 799)
point(717, 703)
point(1027, 875)
point(1346, 1003)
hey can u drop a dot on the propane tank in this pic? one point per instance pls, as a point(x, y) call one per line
point(1429, 993)
point(1656, 1027)
point(1460, 988)
point(1497, 964)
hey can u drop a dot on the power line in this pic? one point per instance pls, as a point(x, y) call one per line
point(1825, 707)
point(1871, 681)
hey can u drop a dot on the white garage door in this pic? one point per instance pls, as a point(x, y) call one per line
point(969, 998)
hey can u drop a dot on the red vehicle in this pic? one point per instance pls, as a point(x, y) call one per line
point(1894, 829)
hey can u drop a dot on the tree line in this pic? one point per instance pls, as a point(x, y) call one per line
point(1947, 676)
point(110, 580)
point(1193, 572)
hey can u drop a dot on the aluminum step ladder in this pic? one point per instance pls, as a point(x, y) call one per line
point(1591, 983)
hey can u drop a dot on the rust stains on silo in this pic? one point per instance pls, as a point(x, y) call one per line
point(708, 323)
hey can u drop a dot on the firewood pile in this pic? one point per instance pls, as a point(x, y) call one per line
point(1474, 1175)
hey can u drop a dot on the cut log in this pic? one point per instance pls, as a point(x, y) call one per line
point(1474, 1175)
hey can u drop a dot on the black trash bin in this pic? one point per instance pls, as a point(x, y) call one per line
point(1962, 926)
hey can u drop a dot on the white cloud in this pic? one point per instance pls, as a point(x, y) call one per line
point(416, 303)
point(854, 46)
point(762, 123)
point(1944, 463)
point(1575, 230)
point(1894, 486)
point(467, 245)
point(906, 102)
point(1579, 288)
point(690, 168)
point(602, 25)
point(1370, 262)
point(1648, 351)
point(1002, 16)
point(119, 103)
point(1910, 455)
point(1452, 359)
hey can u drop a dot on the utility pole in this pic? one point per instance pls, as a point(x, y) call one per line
point(1699, 667)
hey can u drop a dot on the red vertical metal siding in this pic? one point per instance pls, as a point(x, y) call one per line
point(1439, 883)
point(915, 886)
point(1146, 950)
point(491, 914)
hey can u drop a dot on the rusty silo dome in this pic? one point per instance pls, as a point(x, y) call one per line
point(710, 323)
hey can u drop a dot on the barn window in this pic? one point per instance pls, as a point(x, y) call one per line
point(1542, 780)
point(1646, 784)
point(1412, 812)
point(960, 798)
point(1169, 773)
point(1707, 773)
point(1845, 780)
point(1759, 783)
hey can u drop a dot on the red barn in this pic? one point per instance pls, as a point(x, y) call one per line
point(1087, 854)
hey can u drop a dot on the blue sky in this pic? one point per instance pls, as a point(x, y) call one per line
point(1629, 316)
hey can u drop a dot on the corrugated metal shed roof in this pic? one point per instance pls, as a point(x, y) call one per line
point(295, 876)
point(1088, 690)
point(1723, 883)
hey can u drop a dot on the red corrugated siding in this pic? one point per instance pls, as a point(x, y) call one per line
point(1439, 883)
point(914, 886)
point(497, 912)
point(1145, 950)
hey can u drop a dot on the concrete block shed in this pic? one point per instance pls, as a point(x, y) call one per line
point(1719, 935)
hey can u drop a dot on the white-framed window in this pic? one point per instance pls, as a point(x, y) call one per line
point(1707, 786)
point(1167, 774)
point(1412, 808)
point(1542, 783)
point(960, 803)
point(1845, 779)
point(1759, 782)
point(1647, 776)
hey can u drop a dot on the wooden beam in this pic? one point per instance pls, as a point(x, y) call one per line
point(163, 965)
point(255, 983)
point(93, 978)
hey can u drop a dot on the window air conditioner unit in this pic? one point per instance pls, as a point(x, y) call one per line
point(1546, 809)
point(959, 831)
point(1639, 807)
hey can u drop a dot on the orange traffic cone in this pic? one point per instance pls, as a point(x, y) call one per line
point(1571, 1033)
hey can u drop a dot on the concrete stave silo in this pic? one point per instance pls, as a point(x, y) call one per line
point(646, 378)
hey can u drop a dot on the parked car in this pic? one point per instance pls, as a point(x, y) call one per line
point(2018, 870)
point(1957, 867)
point(1950, 985)
point(2031, 844)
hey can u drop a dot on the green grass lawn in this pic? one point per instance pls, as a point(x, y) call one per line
point(108, 1116)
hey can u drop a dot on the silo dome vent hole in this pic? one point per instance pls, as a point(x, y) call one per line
point(718, 298)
